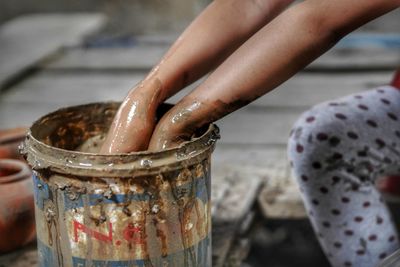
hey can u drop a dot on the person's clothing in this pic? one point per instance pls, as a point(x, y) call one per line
point(396, 80)
point(337, 150)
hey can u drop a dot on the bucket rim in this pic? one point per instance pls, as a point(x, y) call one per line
point(41, 156)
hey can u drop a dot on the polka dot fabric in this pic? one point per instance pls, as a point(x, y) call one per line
point(338, 149)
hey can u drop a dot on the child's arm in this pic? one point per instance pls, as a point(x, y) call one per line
point(270, 57)
point(220, 29)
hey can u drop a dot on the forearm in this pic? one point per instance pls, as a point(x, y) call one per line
point(271, 56)
point(284, 47)
point(222, 27)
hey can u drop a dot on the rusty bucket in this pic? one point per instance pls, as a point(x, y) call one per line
point(136, 209)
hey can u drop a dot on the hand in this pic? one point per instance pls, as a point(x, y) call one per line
point(181, 122)
point(135, 120)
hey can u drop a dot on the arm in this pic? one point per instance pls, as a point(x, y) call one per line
point(271, 56)
point(222, 27)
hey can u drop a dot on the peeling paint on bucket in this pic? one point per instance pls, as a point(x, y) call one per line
point(136, 209)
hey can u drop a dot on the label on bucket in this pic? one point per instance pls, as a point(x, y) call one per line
point(76, 228)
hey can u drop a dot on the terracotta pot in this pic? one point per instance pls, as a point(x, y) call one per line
point(9, 142)
point(17, 221)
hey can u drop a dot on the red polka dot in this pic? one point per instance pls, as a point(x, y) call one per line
point(362, 153)
point(385, 101)
point(323, 190)
point(363, 107)
point(392, 116)
point(358, 219)
point(326, 224)
point(380, 143)
point(352, 135)
point(366, 204)
point(348, 232)
point(334, 141)
point(322, 136)
point(372, 238)
point(345, 200)
point(379, 220)
point(299, 148)
point(340, 116)
point(355, 187)
point(335, 212)
point(372, 123)
point(335, 180)
point(316, 165)
point(360, 252)
point(310, 119)
point(337, 245)
point(315, 202)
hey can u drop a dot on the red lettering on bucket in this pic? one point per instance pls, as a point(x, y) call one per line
point(133, 234)
point(92, 233)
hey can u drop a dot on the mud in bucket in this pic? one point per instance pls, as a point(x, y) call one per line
point(136, 209)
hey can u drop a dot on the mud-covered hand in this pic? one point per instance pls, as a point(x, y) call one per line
point(135, 120)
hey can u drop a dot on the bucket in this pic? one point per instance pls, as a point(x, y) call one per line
point(136, 209)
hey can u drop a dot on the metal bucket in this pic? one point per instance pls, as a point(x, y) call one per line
point(136, 209)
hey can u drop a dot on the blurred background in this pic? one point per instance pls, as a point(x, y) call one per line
point(124, 16)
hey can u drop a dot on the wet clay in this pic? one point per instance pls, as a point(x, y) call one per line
point(135, 120)
point(187, 118)
point(138, 209)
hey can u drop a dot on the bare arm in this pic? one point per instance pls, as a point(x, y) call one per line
point(222, 27)
point(271, 56)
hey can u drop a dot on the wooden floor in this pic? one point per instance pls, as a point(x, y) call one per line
point(252, 150)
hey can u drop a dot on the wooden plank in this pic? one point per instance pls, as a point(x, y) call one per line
point(144, 57)
point(132, 58)
point(301, 91)
point(238, 252)
point(230, 211)
point(25, 40)
point(23, 257)
point(75, 88)
point(357, 59)
point(17, 115)
point(257, 127)
point(280, 197)
point(307, 89)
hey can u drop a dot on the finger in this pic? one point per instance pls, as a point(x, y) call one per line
point(181, 122)
point(135, 120)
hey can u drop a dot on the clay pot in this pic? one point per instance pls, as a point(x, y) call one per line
point(17, 221)
point(9, 142)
